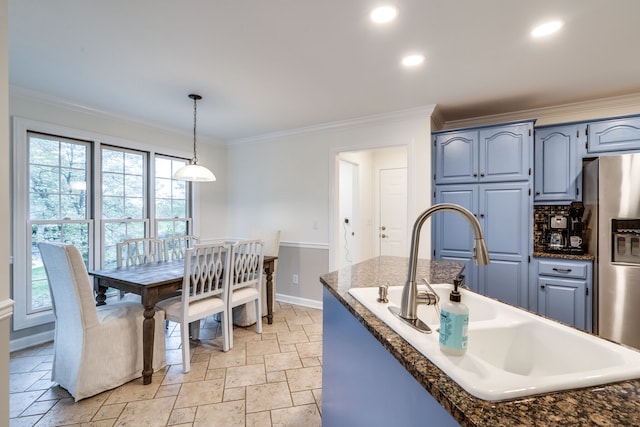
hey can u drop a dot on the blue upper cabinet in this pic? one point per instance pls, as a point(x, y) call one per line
point(490, 154)
point(557, 176)
point(614, 135)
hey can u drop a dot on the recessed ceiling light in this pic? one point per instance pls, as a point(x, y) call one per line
point(412, 60)
point(383, 14)
point(546, 29)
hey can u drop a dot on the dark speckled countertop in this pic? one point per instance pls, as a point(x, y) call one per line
point(609, 405)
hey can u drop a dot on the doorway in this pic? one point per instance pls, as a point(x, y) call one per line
point(371, 195)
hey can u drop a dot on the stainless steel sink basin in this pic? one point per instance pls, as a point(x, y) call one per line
point(512, 353)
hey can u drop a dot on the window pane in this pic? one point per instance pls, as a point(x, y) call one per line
point(163, 168)
point(163, 208)
point(112, 184)
point(43, 151)
point(112, 161)
point(133, 185)
point(133, 207)
point(179, 208)
point(71, 233)
point(57, 192)
point(133, 163)
point(113, 207)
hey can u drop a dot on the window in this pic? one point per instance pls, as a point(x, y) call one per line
point(57, 205)
point(71, 187)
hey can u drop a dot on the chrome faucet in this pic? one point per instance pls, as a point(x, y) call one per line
point(410, 295)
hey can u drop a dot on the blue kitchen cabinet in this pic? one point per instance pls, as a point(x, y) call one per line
point(564, 291)
point(607, 136)
point(558, 165)
point(487, 154)
point(503, 210)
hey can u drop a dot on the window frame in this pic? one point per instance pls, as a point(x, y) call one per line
point(20, 235)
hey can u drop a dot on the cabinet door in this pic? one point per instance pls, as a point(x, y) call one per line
point(563, 300)
point(614, 135)
point(504, 215)
point(453, 237)
point(556, 172)
point(506, 153)
point(456, 157)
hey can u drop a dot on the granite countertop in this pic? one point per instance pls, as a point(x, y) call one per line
point(608, 405)
point(584, 257)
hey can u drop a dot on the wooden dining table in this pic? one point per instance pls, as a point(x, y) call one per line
point(154, 282)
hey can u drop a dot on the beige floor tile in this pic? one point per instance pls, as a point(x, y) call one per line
point(282, 361)
point(38, 408)
point(132, 391)
point(253, 360)
point(307, 416)
point(304, 397)
point(107, 412)
point(225, 414)
point(150, 413)
point(260, 348)
point(271, 379)
point(308, 362)
point(304, 378)
point(276, 376)
point(66, 411)
point(239, 376)
point(19, 402)
point(268, 396)
point(294, 337)
point(259, 419)
point(182, 416)
point(200, 393)
point(235, 393)
point(176, 375)
point(309, 349)
point(235, 357)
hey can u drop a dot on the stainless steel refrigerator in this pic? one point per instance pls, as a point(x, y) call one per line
point(611, 199)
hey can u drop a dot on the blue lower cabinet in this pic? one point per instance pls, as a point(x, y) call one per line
point(565, 293)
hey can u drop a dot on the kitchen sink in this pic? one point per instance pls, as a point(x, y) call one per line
point(512, 353)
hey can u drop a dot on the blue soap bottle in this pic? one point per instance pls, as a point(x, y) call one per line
point(454, 321)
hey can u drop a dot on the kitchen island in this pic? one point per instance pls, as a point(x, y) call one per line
point(372, 376)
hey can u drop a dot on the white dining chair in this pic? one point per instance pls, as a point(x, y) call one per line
point(135, 252)
point(205, 290)
point(175, 247)
point(246, 279)
point(95, 348)
point(139, 251)
point(244, 315)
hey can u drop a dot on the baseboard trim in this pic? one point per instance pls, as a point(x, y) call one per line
point(31, 340)
point(305, 245)
point(305, 302)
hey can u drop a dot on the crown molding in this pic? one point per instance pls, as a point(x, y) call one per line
point(425, 111)
point(577, 111)
point(76, 107)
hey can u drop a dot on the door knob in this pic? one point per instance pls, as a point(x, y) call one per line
point(383, 236)
point(383, 228)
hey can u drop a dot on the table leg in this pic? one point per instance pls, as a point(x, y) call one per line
point(269, 273)
point(101, 294)
point(148, 333)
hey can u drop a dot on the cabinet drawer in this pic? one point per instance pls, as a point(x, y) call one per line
point(577, 270)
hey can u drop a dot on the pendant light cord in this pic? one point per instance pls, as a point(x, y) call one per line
point(195, 116)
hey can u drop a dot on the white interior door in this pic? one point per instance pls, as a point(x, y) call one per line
point(392, 232)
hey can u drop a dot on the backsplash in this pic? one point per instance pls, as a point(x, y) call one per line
point(541, 222)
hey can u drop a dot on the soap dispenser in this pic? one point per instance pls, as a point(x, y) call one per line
point(454, 321)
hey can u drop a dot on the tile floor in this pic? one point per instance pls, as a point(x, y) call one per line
point(273, 379)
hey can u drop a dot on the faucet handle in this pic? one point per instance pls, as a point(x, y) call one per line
point(382, 293)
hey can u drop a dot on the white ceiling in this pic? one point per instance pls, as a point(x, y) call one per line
point(269, 65)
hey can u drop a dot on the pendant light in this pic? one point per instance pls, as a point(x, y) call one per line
point(193, 171)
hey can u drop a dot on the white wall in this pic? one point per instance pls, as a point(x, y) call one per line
point(4, 215)
point(287, 181)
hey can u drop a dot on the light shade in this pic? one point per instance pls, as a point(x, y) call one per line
point(194, 172)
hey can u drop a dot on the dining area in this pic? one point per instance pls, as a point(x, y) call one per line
point(111, 323)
